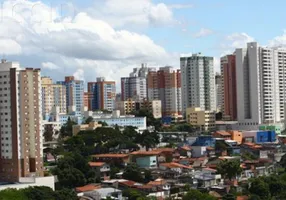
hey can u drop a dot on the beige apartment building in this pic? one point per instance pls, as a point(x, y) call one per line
point(21, 150)
point(129, 106)
point(85, 127)
point(53, 95)
point(201, 118)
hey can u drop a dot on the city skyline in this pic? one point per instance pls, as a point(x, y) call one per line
point(148, 31)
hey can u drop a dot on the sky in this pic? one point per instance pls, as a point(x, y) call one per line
point(107, 38)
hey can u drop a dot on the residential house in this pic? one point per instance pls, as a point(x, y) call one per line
point(222, 134)
point(118, 159)
point(207, 179)
point(102, 169)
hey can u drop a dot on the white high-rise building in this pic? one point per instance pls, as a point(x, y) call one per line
point(21, 150)
point(261, 85)
point(198, 82)
point(218, 92)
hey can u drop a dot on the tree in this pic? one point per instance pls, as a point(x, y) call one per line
point(197, 195)
point(132, 194)
point(132, 172)
point(39, 192)
point(229, 168)
point(48, 132)
point(151, 121)
point(14, 194)
point(88, 120)
point(71, 178)
point(148, 139)
point(229, 197)
point(66, 194)
point(103, 123)
point(260, 188)
point(66, 129)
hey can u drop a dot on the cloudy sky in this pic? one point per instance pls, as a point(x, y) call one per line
point(91, 38)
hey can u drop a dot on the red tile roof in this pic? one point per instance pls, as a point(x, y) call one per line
point(223, 133)
point(175, 165)
point(96, 164)
point(128, 183)
point(186, 148)
point(110, 155)
point(157, 182)
point(242, 198)
point(87, 188)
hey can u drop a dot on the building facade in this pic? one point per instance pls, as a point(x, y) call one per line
point(218, 92)
point(74, 93)
point(198, 82)
point(204, 119)
point(165, 85)
point(20, 122)
point(135, 86)
point(260, 80)
point(102, 94)
point(228, 87)
point(52, 95)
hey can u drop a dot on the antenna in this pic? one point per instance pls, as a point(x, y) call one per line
point(3, 60)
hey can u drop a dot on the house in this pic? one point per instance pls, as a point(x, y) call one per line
point(161, 186)
point(199, 151)
point(185, 151)
point(204, 140)
point(176, 167)
point(85, 127)
point(102, 169)
point(103, 193)
point(87, 188)
point(207, 179)
point(222, 134)
point(119, 159)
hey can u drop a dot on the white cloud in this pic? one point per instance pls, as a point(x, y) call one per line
point(139, 13)
point(279, 41)
point(79, 74)
point(233, 41)
point(49, 65)
point(180, 6)
point(82, 45)
point(203, 32)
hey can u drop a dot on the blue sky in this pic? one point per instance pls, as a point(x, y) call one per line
point(110, 37)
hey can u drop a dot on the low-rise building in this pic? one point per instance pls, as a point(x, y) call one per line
point(118, 159)
point(102, 169)
point(201, 118)
point(85, 127)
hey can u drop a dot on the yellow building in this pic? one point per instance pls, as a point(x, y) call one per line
point(202, 118)
point(53, 95)
point(125, 107)
point(85, 127)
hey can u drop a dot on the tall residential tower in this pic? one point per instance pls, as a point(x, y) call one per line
point(21, 152)
point(198, 82)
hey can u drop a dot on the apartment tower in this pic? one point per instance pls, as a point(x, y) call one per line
point(165, 85)
point(228, 87)
point(53, 95)
point(135, 86)
point(261, 85)
point(74, 93)
point(21, 153)
point(102, 93)
point(198, 82)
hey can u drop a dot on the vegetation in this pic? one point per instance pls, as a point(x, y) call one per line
point(197, 195)
point(36, 193)
point(229, 168)
point(151, 121)
point(66, 129)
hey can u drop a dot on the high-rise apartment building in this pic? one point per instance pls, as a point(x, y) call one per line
point(261, 85)
point(198, 82)
point(228, 87)
point(53, 95)
point(165, 85)
point(21, 153)
point(218, 92)
point(103, 94)
point(135, 86)
point(74, 93)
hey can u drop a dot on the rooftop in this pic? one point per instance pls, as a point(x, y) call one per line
point(87, 188)
point(96, 164)
point(110, 155)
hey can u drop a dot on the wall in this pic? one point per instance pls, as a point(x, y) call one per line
point(198, 151)
point(147, 161)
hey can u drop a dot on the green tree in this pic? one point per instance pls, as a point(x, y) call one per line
point(148, 139)
point(39, 192)
point(260, 188)
point(103, 123)
point(132, 194)
point(70, 178)
point(229, 168)
point(229, 197)
point(88, 120)
point(14, 194)
point(151, 121)
point(133, 173)
point(66, 129)
point(197, 195)
point(48, 132)
point(66, 194)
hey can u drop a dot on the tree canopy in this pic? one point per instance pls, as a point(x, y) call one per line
point(229, 168)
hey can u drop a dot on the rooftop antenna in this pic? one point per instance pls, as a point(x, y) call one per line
point(3, 60)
